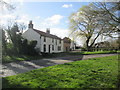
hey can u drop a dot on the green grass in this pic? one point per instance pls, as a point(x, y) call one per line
point(93, 73)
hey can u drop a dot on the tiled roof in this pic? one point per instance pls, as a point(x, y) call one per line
point(46, 34)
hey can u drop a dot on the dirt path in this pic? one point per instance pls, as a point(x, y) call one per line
point(14, 68)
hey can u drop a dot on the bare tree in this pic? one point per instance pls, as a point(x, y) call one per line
point(111, 10)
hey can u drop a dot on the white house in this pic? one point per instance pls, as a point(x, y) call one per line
point(46, 42)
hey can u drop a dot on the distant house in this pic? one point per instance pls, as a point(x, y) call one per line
point(102, 44)
point(68, 44)
point(46, 42)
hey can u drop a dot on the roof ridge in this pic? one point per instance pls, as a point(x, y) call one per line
point(46, 34)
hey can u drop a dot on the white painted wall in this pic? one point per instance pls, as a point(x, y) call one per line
point(30, 35)
point(49, 42)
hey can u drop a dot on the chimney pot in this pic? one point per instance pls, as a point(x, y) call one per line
point(30, 25)
point(48, 30)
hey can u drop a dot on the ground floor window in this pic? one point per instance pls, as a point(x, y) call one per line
point(53, 47)
point(44, 48)
point(59, 48)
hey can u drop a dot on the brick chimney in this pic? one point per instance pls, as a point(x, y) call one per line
point(48, 30)
point(30, 25)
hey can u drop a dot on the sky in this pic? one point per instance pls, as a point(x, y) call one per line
point(53, 15)
point(47, 14)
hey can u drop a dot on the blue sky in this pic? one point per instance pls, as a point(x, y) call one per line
point(44, 10)
point(53, 15)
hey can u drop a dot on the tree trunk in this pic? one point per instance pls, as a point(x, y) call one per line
point(87, 44)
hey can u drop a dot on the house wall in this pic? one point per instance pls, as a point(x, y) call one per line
point(66, 47)
point(72, 45)
point(30, 34)
point(49, 42)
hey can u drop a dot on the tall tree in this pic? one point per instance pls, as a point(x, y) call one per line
point(15, 37)
point(3, 7)
point(87, 22)
point(91, 22)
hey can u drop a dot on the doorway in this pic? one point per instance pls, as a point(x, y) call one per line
point(49, 48)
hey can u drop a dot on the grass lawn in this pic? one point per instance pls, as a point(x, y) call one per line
point(93, 73)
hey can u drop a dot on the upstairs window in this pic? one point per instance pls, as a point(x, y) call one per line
point(52, 40)
point(44, 39)
point(56, 41)
point(60, 41)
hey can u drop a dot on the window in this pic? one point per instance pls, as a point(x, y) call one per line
point(60, 41)
point(56, 41)
point(59, 48)
point(44, 48)
point(44, 39)
point(53, 47)
point(53, 40)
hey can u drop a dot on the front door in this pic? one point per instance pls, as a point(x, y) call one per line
point(49, 48)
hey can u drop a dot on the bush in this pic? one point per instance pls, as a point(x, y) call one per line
point(31, 48)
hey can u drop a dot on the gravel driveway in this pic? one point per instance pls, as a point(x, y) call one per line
point(14, 68)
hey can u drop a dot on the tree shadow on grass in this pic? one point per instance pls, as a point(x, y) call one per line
point(46, 82)
point(25, 66)
point(6, 84)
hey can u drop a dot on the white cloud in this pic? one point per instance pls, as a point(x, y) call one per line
point(53, 20)
point(37, 17)
point(67, 5)
point(8, 16)
point(4, 19)
point(23, 19)
point(66, 21)
point(60, 32)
